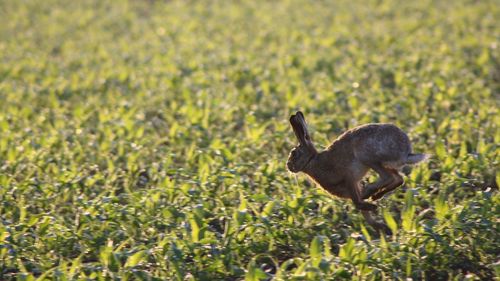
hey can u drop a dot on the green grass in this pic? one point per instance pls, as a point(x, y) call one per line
point(148, 139)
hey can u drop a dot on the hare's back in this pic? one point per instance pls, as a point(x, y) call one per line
point(378, 143)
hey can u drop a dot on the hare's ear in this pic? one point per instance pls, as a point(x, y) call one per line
point(302, 121)
point(297, 129)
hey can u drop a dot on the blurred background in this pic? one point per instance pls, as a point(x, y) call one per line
point(148, 139)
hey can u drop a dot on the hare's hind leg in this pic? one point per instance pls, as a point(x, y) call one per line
point(398, 181)
point(380, 226)
point(385, 179)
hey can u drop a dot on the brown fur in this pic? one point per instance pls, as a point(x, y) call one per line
point(340, 168)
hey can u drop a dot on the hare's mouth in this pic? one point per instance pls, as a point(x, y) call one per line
point(291, 167)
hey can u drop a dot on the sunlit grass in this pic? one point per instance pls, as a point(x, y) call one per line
point(148, 139)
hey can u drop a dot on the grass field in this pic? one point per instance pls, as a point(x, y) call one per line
point(148, 139)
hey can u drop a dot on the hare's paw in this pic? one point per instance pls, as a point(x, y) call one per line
point(365, 206)
point(384, 228)
point(378, 195)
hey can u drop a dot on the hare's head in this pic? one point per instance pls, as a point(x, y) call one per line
point(302, 154)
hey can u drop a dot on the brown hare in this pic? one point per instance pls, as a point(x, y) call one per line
point(340, 168)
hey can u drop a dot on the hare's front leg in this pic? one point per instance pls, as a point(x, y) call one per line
point(387, 178)
point(354, 189)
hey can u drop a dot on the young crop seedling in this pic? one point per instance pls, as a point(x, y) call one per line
point(339, 169)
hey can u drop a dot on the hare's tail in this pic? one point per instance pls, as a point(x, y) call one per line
point(415, 158)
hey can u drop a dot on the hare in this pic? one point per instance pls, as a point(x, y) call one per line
point(339, 169)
